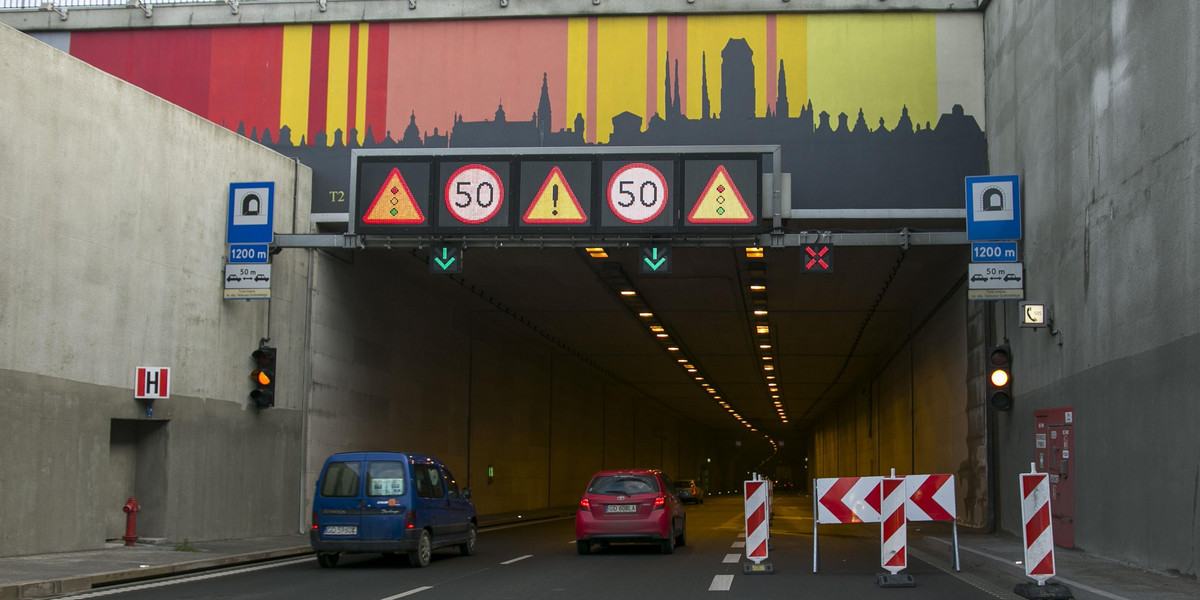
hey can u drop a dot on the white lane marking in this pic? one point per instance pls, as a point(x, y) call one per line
point(721, 583)
point(742, 534)
point(410, 592)
point(732, 558)
point(519, 558)
point(174, 581)
point(738, 545)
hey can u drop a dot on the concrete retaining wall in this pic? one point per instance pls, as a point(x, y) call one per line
point(112, 227)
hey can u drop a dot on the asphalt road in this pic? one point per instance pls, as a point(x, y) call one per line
point(539, 561)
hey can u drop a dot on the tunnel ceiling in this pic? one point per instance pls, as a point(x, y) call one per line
point(829, 333)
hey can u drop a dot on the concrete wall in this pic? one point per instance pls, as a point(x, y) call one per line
point(405, 360)
point(917, 414)
point(112, 228)
point(1095, 106)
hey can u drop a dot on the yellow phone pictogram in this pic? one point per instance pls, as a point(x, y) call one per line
point(394, 204)
point(721, 202)
point(555, 203)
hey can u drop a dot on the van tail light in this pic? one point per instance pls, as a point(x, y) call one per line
point(315, 524)
point(410, 519)
point(660, 501)
point(585, 504)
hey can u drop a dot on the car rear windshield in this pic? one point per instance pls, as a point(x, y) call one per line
point(623, 485)
point(386, 478)
point(341, 480)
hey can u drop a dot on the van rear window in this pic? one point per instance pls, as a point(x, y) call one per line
point(341, 480)
point(386, 478)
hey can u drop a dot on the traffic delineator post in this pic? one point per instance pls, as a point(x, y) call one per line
point(1038, 537)
point(893, 528)
point(758, 525)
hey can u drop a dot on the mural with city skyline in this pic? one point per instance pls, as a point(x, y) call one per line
point(859, 129)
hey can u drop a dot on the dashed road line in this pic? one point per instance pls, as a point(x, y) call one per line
point(721, 583)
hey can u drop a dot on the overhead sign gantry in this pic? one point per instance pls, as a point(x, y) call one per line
point(579, 192)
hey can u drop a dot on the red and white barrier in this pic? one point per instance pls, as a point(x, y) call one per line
point(931, 498)
point(893, 526)
point(1037, 533)
point(847, 500)
point(757, 519)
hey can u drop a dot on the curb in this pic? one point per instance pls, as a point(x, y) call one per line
point(82, 583)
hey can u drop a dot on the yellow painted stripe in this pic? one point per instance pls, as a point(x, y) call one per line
point(293, 87)
point(577, 65)
point(360, 97)
point(620, 71)
point(791, 47)
point(709, 35)
point(877, 63)
point(337, 97)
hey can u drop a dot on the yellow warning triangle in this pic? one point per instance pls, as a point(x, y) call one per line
point(721, 202)
point(394, 204)
point(555, 203)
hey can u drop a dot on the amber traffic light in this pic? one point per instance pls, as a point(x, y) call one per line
point(999, 377)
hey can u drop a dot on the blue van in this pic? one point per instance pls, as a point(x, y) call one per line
point(389, 502)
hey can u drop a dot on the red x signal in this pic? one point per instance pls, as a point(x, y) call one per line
point(818, 258)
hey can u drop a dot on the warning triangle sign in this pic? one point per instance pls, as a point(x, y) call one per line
point(555, 203)
point(394, 204)
point(721, 202)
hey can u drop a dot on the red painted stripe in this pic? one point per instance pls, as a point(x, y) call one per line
point(139, 56)
point(1046, 567)
point(141, 382)
point(377, 81)
point(1029, 482)
point(247, 71)
point(352, 87)
point(318, 85)
point(1038, 523)
point(755, 519)
point(899, 559)
point(677, 48)
point(751, 487)
point(760, 550)
point(592, 69)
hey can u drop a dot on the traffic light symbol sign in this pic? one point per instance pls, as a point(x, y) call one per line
point(394, 204)
point(263, 377)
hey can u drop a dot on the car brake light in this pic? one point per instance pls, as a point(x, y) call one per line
point(315, 525)
point(660, 501)
point(410, 519)
point(584, 503)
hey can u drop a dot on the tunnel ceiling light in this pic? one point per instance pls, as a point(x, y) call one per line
point(764, 346)
point(645, 315)
point(596, 252)
point(758, 286)
point(754, 252)
point(768, 357)
point(770, 377)
point(768, 367)
point(628, 293)
point(760, 313)
point(762, 329)
point(657, 328)
point(681, 360)
point(661, 335)
point(673, 348)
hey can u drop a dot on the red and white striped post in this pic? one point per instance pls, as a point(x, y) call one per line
point(1038, 536)
point(758, 522)
point(1037, 533)
point(893, 527)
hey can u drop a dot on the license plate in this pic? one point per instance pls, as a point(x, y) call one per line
point(620, 508)
point(341, 530)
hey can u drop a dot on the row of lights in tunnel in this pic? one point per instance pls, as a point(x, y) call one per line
point(759, 322)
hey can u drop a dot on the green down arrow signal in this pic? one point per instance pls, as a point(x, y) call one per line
point(656, 262)
point(445, 261)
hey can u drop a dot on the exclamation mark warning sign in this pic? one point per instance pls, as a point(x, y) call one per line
point(555, 203)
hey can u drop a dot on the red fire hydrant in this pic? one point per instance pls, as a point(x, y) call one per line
point(131, 509)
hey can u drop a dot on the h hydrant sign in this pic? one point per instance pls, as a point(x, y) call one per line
point(152, 383)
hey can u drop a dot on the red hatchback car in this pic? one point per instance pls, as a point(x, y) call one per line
point(630, 505)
